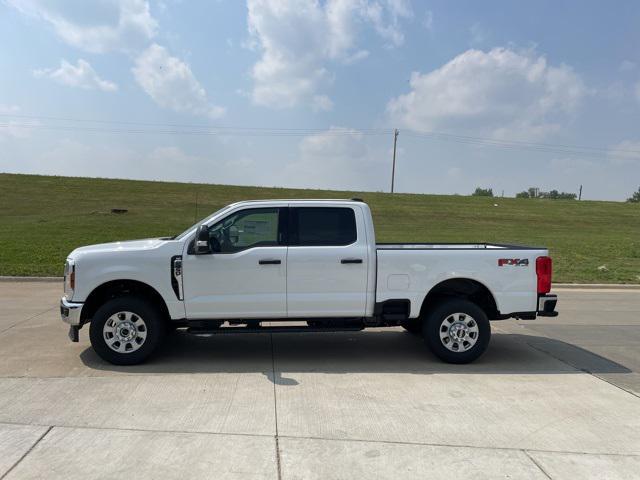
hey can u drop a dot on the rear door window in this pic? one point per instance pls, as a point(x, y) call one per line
point(323, 226)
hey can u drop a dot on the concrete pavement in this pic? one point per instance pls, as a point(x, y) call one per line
point(552, 398)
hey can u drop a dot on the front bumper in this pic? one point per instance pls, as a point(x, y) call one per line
point(547, 305)
point(70, 312)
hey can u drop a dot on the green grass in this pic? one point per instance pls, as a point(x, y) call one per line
point(43, 218)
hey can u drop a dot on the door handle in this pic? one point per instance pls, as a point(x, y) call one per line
point(351, 260)
point(269, 262)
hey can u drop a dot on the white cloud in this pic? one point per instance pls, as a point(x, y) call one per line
point(299, 39)
point(97, 26)
point(321, 103)
point(171, 83)
point(82, 75)
point(336, 141)
point(8, 109)
point(338, 158)
point(116, 160)
point(501, 93)
point(389, 28)
point(13, 128)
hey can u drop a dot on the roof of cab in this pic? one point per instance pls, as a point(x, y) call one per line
point(301, 200)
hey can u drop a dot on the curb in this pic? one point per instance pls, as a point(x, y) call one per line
point(31, 279)
point(596, 286)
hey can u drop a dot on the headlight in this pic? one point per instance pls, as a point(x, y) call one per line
point(69, 278)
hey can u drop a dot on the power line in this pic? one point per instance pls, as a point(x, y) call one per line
point(146, 128)
point(594, 152)
point(207, 127)
point(213, 131)
point(513, 142)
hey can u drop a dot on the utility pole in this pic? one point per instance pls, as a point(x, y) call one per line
point(580, 194)
point(393, 168)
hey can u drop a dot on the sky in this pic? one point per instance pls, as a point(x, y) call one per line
point(302, 93)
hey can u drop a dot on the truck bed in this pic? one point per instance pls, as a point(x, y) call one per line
point(409, 270)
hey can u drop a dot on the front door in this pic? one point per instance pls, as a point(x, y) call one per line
point(245, 275)
point(327, 263)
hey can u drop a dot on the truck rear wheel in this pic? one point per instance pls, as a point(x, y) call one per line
point(126, 330)
point(457, 331)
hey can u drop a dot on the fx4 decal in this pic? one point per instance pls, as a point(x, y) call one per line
point(516, 262)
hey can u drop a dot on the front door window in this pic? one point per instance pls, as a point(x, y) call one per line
point(257, 227)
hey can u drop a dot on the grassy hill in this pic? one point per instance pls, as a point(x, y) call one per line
point(43, 218)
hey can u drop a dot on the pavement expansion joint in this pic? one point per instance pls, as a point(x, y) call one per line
point(23, 456)
point(537, 464)
point(27, 319)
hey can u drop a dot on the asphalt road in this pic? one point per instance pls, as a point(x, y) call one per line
point(554, 398)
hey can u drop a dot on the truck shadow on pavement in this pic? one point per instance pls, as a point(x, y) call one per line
point(281, 356)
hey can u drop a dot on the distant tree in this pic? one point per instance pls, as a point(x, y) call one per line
point(567, 196)
point(523, 194)
point(556, 195)
point(483, 192)
point(635, 198)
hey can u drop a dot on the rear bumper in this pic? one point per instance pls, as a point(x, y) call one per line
point(547, 305)
point(70, 312)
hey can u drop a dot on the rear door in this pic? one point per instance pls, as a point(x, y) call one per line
point(327, 262)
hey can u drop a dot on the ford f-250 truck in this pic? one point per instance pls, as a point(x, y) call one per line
point(314, 264)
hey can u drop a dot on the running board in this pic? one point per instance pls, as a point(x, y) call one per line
point(231, 330)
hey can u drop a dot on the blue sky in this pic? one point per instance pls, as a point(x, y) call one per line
point(506, 95)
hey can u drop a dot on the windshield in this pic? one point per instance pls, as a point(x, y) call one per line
point(194, 226)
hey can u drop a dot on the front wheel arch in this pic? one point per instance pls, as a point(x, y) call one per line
point(119, 288)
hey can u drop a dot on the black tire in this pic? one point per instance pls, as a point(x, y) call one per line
point(413, 326)
point(445, 312)
point(152, 321)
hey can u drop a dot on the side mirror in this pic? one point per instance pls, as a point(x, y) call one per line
point(201, 246)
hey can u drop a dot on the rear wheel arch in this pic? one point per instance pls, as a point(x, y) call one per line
point(120, 288)
point(462, 288)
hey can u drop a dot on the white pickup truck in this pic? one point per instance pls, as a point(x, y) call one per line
point(307, 265)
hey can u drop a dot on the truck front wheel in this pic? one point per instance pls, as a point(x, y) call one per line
point(126, 330)
point(457, 331)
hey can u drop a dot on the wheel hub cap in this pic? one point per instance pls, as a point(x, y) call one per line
point(125, 332)
point(459, 332)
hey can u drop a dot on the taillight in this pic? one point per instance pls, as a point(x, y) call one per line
point(544, 270)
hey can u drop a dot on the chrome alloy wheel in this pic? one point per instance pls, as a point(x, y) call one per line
point(124, 332)
point(459, 332)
